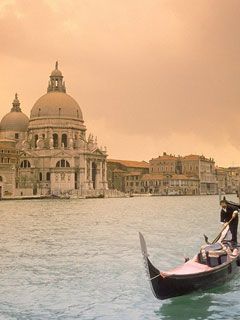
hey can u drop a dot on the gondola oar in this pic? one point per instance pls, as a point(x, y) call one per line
point(224, 227)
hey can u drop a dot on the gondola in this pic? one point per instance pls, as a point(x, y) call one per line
point(213, 265)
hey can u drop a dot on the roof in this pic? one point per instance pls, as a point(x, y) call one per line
point(183, 177)
point(197, 157)
point(152, 176)
point(192, 157)
point(7, 143)
point(118, 171)
point(134, 173)
point(165, 157)
point(130, 163)
point(155, 176)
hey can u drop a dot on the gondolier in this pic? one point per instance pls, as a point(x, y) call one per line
point(227, 213)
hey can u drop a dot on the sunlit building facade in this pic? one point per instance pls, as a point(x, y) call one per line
point(54, 155)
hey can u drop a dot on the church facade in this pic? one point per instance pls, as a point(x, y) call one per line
point(52, 155)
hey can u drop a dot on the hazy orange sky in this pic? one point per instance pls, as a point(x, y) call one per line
point(150, 76)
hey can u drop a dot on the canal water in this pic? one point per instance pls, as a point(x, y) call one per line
point(81, 259)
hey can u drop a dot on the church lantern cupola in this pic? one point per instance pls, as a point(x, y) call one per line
point(56, 82)
point(16, 104)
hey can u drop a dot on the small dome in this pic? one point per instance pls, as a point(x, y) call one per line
point(56, 73)
point(14, 121)
point(56, 104)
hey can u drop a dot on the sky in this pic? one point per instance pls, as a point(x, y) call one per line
point(150, 76)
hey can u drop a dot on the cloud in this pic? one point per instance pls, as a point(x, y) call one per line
point(148, 70)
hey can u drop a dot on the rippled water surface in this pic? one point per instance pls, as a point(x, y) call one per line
point(80, 259)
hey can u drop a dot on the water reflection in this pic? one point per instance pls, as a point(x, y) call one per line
point(186, 308)
point(218, 303)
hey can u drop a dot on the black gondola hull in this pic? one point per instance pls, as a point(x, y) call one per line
point(169, 286)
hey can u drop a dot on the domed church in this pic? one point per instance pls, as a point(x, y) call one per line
point(52, 154)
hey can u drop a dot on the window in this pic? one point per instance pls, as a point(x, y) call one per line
point(63, 164)
point(1, 179)
point(48, 176)
point(25, 164)
point(35, 140)
point(64, 140)
point(55, 140)
point(16, 135)
point(40, 176)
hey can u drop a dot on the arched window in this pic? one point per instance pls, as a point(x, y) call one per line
point(40, 176)
point(55, 140)
point(63, 164)
point(25, 164)
point(64, 140)
point(35, 140)
point(48, 176)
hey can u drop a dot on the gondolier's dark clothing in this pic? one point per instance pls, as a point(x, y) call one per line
point(226, 216)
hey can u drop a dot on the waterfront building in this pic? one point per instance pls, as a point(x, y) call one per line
point(204, 169)
point(166, 164)
point(8, 161)
point(228, 179)
point(234, 179)
point(54, 154)
point(159, 184)
point(193, 167)
point(118, 171)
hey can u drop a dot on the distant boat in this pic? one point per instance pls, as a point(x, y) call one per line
point(173, 193)
point(60, 196)
point(140, 195)
point(214, 264)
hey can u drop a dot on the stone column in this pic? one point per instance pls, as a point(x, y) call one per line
point(105, 175)
point(59, 139)
point(90, 165)
point(101, 174)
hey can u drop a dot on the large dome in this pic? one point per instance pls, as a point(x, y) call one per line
point(56, 104)
point(15, 120)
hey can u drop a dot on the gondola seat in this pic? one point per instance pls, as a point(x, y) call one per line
point(215, 258)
